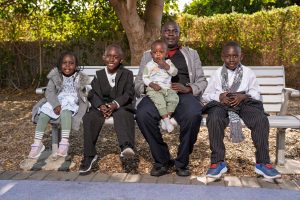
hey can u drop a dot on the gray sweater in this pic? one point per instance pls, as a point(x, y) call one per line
point(198, 81)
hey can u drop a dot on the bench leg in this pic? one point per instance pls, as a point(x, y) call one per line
point(280, 147)
point(55, 137)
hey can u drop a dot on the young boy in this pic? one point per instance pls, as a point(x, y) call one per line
point(112, 94)
point(231, 92)
point(157, 77)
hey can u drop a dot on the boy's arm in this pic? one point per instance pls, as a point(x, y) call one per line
point(254, 90)
point(51, 95)
point(213, 90)
point(95, 96)
point(128, 94)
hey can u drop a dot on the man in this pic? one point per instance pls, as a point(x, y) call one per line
point(189, 83)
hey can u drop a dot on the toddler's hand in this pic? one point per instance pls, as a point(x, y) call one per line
point(57, 110)
point(154, 86)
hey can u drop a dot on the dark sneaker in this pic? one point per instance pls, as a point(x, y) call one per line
point(216, 170)
point(267, 171)
point(86, 164)
point(183, 171)
point(159, 171)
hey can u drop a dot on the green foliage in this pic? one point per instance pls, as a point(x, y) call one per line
point(211, 7)
point(267, 38)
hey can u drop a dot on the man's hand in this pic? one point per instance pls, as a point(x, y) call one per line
point(178, 87)
point(57, 110)
point(237, 98)
point(154, 86)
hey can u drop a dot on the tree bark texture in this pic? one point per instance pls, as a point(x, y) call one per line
point(140, 31)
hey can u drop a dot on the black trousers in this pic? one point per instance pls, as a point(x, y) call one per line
point(188, 116)
point(254, 118)
point(123, 125)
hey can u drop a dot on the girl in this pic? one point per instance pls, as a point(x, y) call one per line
point(64, 102)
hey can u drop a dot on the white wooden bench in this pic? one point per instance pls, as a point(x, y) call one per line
point(275, 100)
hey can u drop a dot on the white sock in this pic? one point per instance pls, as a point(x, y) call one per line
point(169, 125)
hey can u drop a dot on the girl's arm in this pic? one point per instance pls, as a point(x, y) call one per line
point(51, 94)
point(95, 95)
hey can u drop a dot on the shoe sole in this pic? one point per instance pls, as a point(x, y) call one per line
point(224, 170)
point(258, 171)
point(127, 154)
point(83, 172)
point(43, 148)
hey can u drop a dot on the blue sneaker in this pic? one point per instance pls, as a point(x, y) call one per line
point(267, 171)
point(216, 170)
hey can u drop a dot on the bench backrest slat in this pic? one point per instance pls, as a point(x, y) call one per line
point(270, 78)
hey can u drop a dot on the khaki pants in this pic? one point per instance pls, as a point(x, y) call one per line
point(165, 100)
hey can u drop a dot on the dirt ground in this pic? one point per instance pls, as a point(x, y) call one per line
point(17, 132)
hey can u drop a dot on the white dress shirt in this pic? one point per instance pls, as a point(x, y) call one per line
point(248, 84)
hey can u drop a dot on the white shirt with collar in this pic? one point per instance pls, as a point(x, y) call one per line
point(249, 84)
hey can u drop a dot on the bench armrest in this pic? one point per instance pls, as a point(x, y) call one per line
point(40, 90)
point(287, 93)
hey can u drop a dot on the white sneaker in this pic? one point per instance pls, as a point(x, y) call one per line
point(127, 152)
point(163, 125)
point(173, 121)
point(169, 125)
point(36, 150)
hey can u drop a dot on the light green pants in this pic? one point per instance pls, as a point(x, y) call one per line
point(165, 100)
point(65, 121)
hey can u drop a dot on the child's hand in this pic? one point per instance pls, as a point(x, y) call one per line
point(163, 64)
point(112, 106)
point(57, 110)
point(224, 98)
point(105, 110)
point(154, 86)
point(237, 98)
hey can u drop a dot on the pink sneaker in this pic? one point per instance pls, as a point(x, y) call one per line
point(63, 148)
point(36, 150)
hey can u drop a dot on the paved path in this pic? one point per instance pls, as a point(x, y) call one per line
point(49, 184)
point(37, 190)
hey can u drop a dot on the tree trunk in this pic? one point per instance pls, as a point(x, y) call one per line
point(140, 32)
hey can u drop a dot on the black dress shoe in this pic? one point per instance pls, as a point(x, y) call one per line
point(183, 171)
point(159, 171)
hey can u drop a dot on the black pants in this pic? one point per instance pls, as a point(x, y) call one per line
point(93, 122)
point(254, 118)
point(187, 114)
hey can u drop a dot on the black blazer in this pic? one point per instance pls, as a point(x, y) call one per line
point(123, 92)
